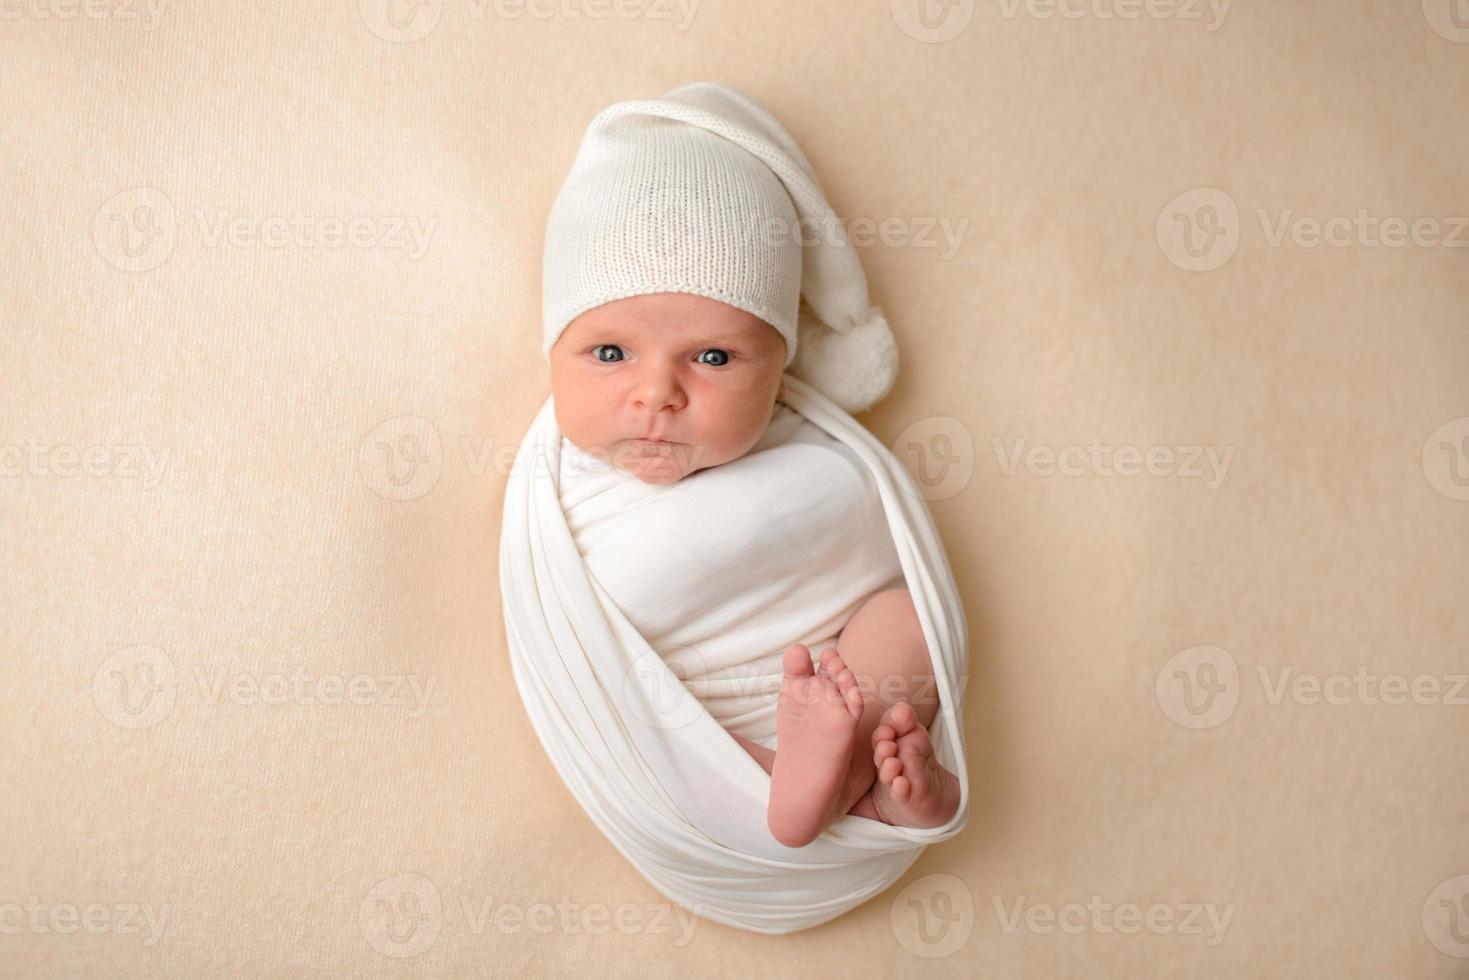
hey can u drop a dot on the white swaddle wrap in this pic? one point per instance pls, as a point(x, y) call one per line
point(645, 623)
point(777, 547)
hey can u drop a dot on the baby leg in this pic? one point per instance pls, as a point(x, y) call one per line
point(890, 661)
point(883, 645)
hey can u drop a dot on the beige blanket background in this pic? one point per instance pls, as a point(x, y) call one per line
point(1200, 454)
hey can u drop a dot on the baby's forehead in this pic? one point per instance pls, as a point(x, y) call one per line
point(673, 317)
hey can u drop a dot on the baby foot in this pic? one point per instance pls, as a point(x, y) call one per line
point(815, 725)
point(912, 789)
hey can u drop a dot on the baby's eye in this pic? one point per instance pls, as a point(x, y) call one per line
point(722, 355)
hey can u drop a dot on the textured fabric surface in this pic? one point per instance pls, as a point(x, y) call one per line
point(656, 770)
point(263, 453)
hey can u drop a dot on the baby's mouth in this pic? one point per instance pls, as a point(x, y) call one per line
point(655, 447)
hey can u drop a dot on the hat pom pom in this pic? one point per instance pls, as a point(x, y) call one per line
point(855, 369)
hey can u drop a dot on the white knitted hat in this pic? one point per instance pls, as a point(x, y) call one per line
point(703, 192)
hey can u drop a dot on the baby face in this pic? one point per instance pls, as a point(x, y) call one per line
point(698, 374)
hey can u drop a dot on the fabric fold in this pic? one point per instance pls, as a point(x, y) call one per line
point(654, 769)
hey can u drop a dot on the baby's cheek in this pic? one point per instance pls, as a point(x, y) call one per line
point(754, 428)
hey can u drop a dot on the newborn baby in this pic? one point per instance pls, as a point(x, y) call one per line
point(664, 385)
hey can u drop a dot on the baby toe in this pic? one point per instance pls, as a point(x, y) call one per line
point(797, 661)
point(833, 666)
point(899, 717)
point(916, 742)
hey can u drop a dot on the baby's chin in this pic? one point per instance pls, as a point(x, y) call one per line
point(655, 476)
